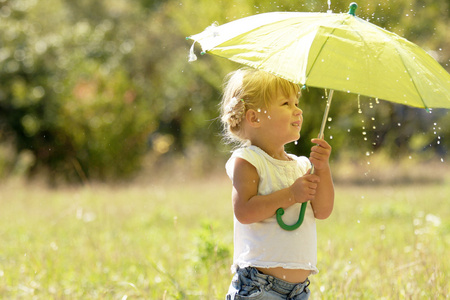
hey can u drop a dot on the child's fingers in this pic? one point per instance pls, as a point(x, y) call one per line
point(318, 160)
point(319, 153)
point(320, 150)
point(312, 178)
point(321, 143)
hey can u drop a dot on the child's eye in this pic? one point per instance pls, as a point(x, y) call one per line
point(286, 103)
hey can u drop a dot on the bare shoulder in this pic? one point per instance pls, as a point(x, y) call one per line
point(244, 171)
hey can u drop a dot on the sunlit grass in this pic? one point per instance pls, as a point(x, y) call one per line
point(386, 242)
point(174, 241)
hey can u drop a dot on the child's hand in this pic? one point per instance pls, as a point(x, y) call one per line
point(304, 188)
point(320, 154)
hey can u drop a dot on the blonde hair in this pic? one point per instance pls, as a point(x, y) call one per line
point(246, 89)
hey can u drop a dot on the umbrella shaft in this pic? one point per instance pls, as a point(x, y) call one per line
point(324, 119)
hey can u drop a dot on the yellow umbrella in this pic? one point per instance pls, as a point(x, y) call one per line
point(332, 51)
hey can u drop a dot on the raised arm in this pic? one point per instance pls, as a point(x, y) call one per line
point(324, 201)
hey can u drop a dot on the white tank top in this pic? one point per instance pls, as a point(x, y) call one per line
point(265, 244)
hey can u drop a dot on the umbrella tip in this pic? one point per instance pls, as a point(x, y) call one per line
point(352, 8)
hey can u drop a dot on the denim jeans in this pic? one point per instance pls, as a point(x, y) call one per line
point(249, 283)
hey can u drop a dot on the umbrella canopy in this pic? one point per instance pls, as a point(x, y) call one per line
point(334, 51)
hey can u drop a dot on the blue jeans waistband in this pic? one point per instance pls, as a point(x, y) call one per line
point(280, 286)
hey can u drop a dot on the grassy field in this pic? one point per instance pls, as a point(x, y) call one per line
point(174, 241)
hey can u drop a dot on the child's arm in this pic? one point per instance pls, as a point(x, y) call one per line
point(249, 207)
point(324, 201)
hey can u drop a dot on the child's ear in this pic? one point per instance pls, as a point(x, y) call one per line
point(252, 118)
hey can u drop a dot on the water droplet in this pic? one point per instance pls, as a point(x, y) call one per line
point(359, 104)
point(330, 119)
point(367, 153)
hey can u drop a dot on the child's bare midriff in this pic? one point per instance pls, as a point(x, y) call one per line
point(289, 275)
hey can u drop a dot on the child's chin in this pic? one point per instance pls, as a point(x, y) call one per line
point(295, 140)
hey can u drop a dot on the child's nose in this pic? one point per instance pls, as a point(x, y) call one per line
point(298, 111)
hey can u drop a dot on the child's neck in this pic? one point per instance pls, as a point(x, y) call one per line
point(275, 151)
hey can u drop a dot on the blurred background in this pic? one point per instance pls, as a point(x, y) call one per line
point(103, 91)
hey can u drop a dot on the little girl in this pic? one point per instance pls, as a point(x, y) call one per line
point(260, 111)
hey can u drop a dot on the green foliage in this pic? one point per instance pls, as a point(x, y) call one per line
point(65, 95)
point(210, 250)
point(108, 129)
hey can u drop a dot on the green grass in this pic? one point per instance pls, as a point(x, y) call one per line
point(174, 241)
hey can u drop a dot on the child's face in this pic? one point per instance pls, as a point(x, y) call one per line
point(283, 119)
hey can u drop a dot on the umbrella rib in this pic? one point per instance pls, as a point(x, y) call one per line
point(404, 65)
point(412, 78)
point(319, 52)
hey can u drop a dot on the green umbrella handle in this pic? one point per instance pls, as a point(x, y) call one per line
point(280, 211)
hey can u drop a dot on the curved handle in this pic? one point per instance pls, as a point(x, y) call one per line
point(301, 216)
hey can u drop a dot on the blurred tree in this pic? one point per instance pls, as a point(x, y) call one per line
point(66, 96)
